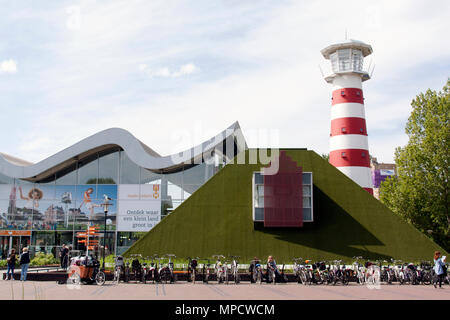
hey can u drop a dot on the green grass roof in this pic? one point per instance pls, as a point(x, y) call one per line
point(217, 219)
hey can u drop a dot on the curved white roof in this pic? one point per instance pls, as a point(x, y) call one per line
point(107, 139)
point(350, 43)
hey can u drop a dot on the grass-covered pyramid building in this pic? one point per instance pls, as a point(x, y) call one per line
point(348, 221)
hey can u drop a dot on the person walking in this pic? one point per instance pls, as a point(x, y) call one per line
point(24, 263)
point(439, 269)
point(11, 260)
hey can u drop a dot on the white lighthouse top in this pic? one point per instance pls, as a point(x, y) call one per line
point(365, 48)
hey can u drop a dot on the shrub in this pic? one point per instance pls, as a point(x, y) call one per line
point(42, 259)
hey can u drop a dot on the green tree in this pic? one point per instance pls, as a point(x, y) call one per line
point(420, 192)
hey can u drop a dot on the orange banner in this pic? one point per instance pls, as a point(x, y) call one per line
point(23, 233)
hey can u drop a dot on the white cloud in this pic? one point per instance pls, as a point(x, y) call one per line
point(258, 66)
point(166, 73)
point(8, 66)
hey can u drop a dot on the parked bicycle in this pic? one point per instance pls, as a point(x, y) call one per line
point(192, 269)
point(119, 269)
point(166, 273)
point(221, 269)
point(300, 271)
point(358, 270)
point(136, 268)
point(235, 269)
point(206, 270)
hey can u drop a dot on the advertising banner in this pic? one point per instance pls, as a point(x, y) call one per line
point(139, 207)
point(55, 207)
point(387, 172)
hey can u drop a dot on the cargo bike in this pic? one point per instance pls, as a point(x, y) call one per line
point(85, 270)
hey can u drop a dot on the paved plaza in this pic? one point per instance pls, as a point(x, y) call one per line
point(38, 290)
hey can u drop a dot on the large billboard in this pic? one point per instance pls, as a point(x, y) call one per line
point(55, 207)
point(139, 207)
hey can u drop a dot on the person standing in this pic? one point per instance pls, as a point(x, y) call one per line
point(11, 260)
point(439, 268)
point(24, 263)
point(64, 256)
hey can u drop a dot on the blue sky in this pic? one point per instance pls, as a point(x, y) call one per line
point(174, 73)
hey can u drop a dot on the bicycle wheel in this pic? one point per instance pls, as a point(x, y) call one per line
point(100, 278)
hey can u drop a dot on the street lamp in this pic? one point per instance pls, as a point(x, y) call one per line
point(105, 205)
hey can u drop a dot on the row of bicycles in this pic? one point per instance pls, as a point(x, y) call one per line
point(160, 269)
point(139, 269)
point(376, 272)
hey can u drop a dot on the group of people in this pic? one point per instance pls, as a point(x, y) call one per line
point(24, 263)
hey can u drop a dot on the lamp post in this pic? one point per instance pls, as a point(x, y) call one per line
point(105, 205)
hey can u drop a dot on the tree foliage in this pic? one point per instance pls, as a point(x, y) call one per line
point(420, 192)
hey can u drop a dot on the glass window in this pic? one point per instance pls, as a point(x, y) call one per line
point(259, 214)
point(5, 208)
point(129, 171)
point(306, 178)
point(334, 62)
point(88, 171)
point(67, 177)
point(259, 178)
point(174, 191)
point(108, 168)
point(306, 202)
point(198, 174)
point(344, 59)
point(357, 60)
point(5, 179)
point(148, 176)
point(307, 214)
point(175, 178)
point(43, 238)
point(260, 190)
point(306, 190)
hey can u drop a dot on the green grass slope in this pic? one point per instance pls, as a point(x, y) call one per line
point(217, 219)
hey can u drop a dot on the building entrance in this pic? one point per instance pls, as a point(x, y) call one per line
point(13, 240)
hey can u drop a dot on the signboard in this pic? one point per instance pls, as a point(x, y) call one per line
point(23, 233)
point(139, 207)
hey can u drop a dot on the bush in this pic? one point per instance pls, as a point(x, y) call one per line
point(42, 259)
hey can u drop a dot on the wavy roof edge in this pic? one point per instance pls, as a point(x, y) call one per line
point(136, 150)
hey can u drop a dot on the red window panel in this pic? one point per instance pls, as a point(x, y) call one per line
point(283, 195)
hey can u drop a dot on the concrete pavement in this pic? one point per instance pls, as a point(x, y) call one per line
point(37, 290)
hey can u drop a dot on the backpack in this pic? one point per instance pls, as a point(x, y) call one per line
point(444, 269)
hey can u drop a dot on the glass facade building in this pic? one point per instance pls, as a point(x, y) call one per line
point(47, 210)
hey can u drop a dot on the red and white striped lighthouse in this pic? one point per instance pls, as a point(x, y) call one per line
point(349, 149)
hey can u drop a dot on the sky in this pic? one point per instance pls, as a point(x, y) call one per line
point(175, 73)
